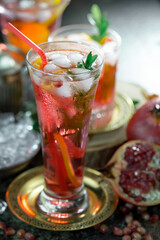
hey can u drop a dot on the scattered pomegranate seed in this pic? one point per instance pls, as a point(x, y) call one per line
point(148, 236)
point(10, 231)
point(29, 236)
point(127, 231)
point(2, 226)
point(136, 236)
point(141, 230)
point(126, 237)
point(132, 227)
point(130, 206)
point(117, 231)
point(96, 227)
point(136, 223)
point(124, 209)
point(20, 233)
point(145, 216)
point(154, 218)
point(128, 218)
point(103, 228)
point(141, 209)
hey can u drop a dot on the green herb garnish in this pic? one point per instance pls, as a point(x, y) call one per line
point(99, 20)
point(88, 63)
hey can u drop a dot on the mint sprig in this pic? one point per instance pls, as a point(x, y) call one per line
point(99, 20)
point(88, 63)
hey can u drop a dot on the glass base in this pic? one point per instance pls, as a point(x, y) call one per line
point(62, 208)
point(101, 116)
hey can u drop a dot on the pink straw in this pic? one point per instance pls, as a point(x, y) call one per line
point(29, 42)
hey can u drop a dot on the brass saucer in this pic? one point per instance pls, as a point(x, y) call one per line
point(23, 191)
point(113, 133)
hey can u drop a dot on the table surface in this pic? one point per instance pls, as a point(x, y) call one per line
point(138, 23)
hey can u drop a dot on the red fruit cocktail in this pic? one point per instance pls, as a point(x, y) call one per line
point(109, 42)
point(64, 91)
point(32, 18)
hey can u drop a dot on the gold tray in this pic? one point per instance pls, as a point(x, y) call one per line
point(113, 133)
point(23, 191)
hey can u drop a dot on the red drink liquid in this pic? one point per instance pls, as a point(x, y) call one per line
point(64, 92)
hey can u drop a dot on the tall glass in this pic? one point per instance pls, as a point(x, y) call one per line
point(104, 100)
point(35, 18)
point(64, 98)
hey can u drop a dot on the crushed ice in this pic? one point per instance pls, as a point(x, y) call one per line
point(18, 142)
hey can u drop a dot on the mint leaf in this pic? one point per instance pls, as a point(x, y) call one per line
point(99, 20)
point(88, 63)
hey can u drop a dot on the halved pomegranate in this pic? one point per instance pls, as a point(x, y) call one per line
point(145, 122)
point(135, 168)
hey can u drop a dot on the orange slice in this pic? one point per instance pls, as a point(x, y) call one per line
point(66, 158)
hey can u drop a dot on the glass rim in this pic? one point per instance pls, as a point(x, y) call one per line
point(99, 52)
point(35, 8)
point(76, 27)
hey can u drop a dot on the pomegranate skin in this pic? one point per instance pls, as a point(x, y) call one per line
point(145, 123)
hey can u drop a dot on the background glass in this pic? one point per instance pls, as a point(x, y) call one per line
point(104, 99)
point(35, 18)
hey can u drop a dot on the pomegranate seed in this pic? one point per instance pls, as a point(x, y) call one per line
point(2, 226)
point(154, 218)
point(126, 237)
point(148, 236)
point(58, 84)
point(141, 230)
point(20, 233)
point(103, 228)
point(136, 223)
point(128, 218)
point(145, 216)
point(96, 227)
point(117, 231)
point(141, 209)
point(124, 209)
point(29, 236)
point(157, 173)
point(136, 236)
point(130, 206)
point(10, 231)
point(132, 227)
point(127, 231)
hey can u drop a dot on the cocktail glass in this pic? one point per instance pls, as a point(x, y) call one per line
point(104, 100)
point(64, 96)
point(35, 18)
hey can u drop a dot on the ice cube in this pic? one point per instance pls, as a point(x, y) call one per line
point(44, 15)
point(81, 73)
point(64, 90)
point(86, 84)
point(60, 60)
point(50, 67)
point(37, 76)
point(26, 16)
point(75, 57)
point(111, 53)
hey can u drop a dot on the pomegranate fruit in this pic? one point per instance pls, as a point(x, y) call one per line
point(135, 170)
point(145, 122)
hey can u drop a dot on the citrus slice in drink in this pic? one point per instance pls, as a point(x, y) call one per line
point(66, 158)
